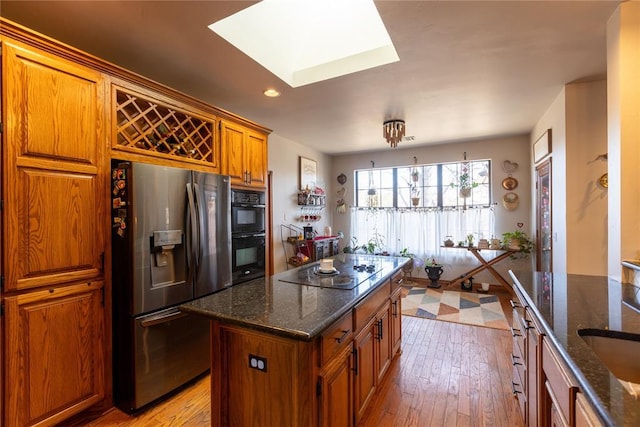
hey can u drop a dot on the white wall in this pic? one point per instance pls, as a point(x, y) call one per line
point(284, 158)
point(586, 199)
point(623, 109)
point(515, 149)
point(578, 120)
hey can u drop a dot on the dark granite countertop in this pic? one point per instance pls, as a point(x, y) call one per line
point(566, 303)
point(289, 309)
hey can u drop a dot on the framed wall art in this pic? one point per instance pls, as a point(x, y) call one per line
point(542, 147)
point(308, 170)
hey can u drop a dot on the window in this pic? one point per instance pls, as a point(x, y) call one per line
point(428, 186)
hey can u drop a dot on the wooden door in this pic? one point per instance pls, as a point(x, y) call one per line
point(256, 161)
point(544, 236)
point(52, 181)
point(233, 152)
point(337, 391)
point(365, 375)
point(54, 366)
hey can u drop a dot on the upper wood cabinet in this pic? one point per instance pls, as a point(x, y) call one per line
point(53, 179)
point(244, 155)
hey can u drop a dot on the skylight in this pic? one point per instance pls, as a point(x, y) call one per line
point(307, 41)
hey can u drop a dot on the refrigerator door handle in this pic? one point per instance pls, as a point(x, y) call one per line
point(192, 226)
point(197, 250)
point(163, 317)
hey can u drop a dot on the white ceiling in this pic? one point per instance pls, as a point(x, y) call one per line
point(467, 69)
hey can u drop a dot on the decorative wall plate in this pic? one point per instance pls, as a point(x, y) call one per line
point(509, 167)
point(510, 201)
point(509, 183)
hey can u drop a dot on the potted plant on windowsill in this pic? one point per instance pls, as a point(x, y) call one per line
point(519, 242)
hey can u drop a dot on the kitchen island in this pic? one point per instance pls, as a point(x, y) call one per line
point(303, 348)
point(565, 309)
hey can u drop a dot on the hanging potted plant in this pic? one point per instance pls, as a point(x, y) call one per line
point(465, 184)
point(415, 195)
point(415, 175)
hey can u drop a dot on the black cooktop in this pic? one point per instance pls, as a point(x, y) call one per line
point(347, 275)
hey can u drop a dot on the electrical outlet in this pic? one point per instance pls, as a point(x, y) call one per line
point(257, 362)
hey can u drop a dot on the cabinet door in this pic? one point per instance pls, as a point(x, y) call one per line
point(55, 199)
point(54, 368)
point(233, 152)
point(532, 372)
point(384, 342)
point(396, 321)
point(365, 369)
point(256, 161)
point(337, 391)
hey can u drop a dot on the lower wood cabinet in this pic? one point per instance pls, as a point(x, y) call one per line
point(261, 379)
point(546, 390)
point(533, 336)
point(336, 390)
point(365, 370)
point(585, 415)
point(374, 352)
point(396, 320)
point(56, 358)
point(560, 388)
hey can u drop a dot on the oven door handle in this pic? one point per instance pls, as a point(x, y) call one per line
point(163, 317)
point(244, 236)
point(247, 205)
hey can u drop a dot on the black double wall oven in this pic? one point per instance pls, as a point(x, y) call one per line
point(248, 238)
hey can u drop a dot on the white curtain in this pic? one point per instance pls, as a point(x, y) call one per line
point(423, 231)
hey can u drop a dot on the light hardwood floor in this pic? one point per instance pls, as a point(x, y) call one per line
point(448, 374)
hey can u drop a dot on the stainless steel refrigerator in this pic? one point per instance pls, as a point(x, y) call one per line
point(170, 244)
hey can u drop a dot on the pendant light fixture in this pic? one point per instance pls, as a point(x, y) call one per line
point(393, 131)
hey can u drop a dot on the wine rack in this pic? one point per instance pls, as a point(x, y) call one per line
point(147, 125)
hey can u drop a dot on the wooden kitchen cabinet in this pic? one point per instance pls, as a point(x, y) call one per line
point(526, 360)
point(336, 390)
point(335, 382)
point(373, 346)
point(54, 228)
point(533, 337)
point(53, 179)
point(244, 155)
point(396, 321)
point(54, 365)
point(585, 415)
point(559, 389)
point(365, 368)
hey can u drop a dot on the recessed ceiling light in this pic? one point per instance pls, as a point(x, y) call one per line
point(271, 93)
point(304, 42)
